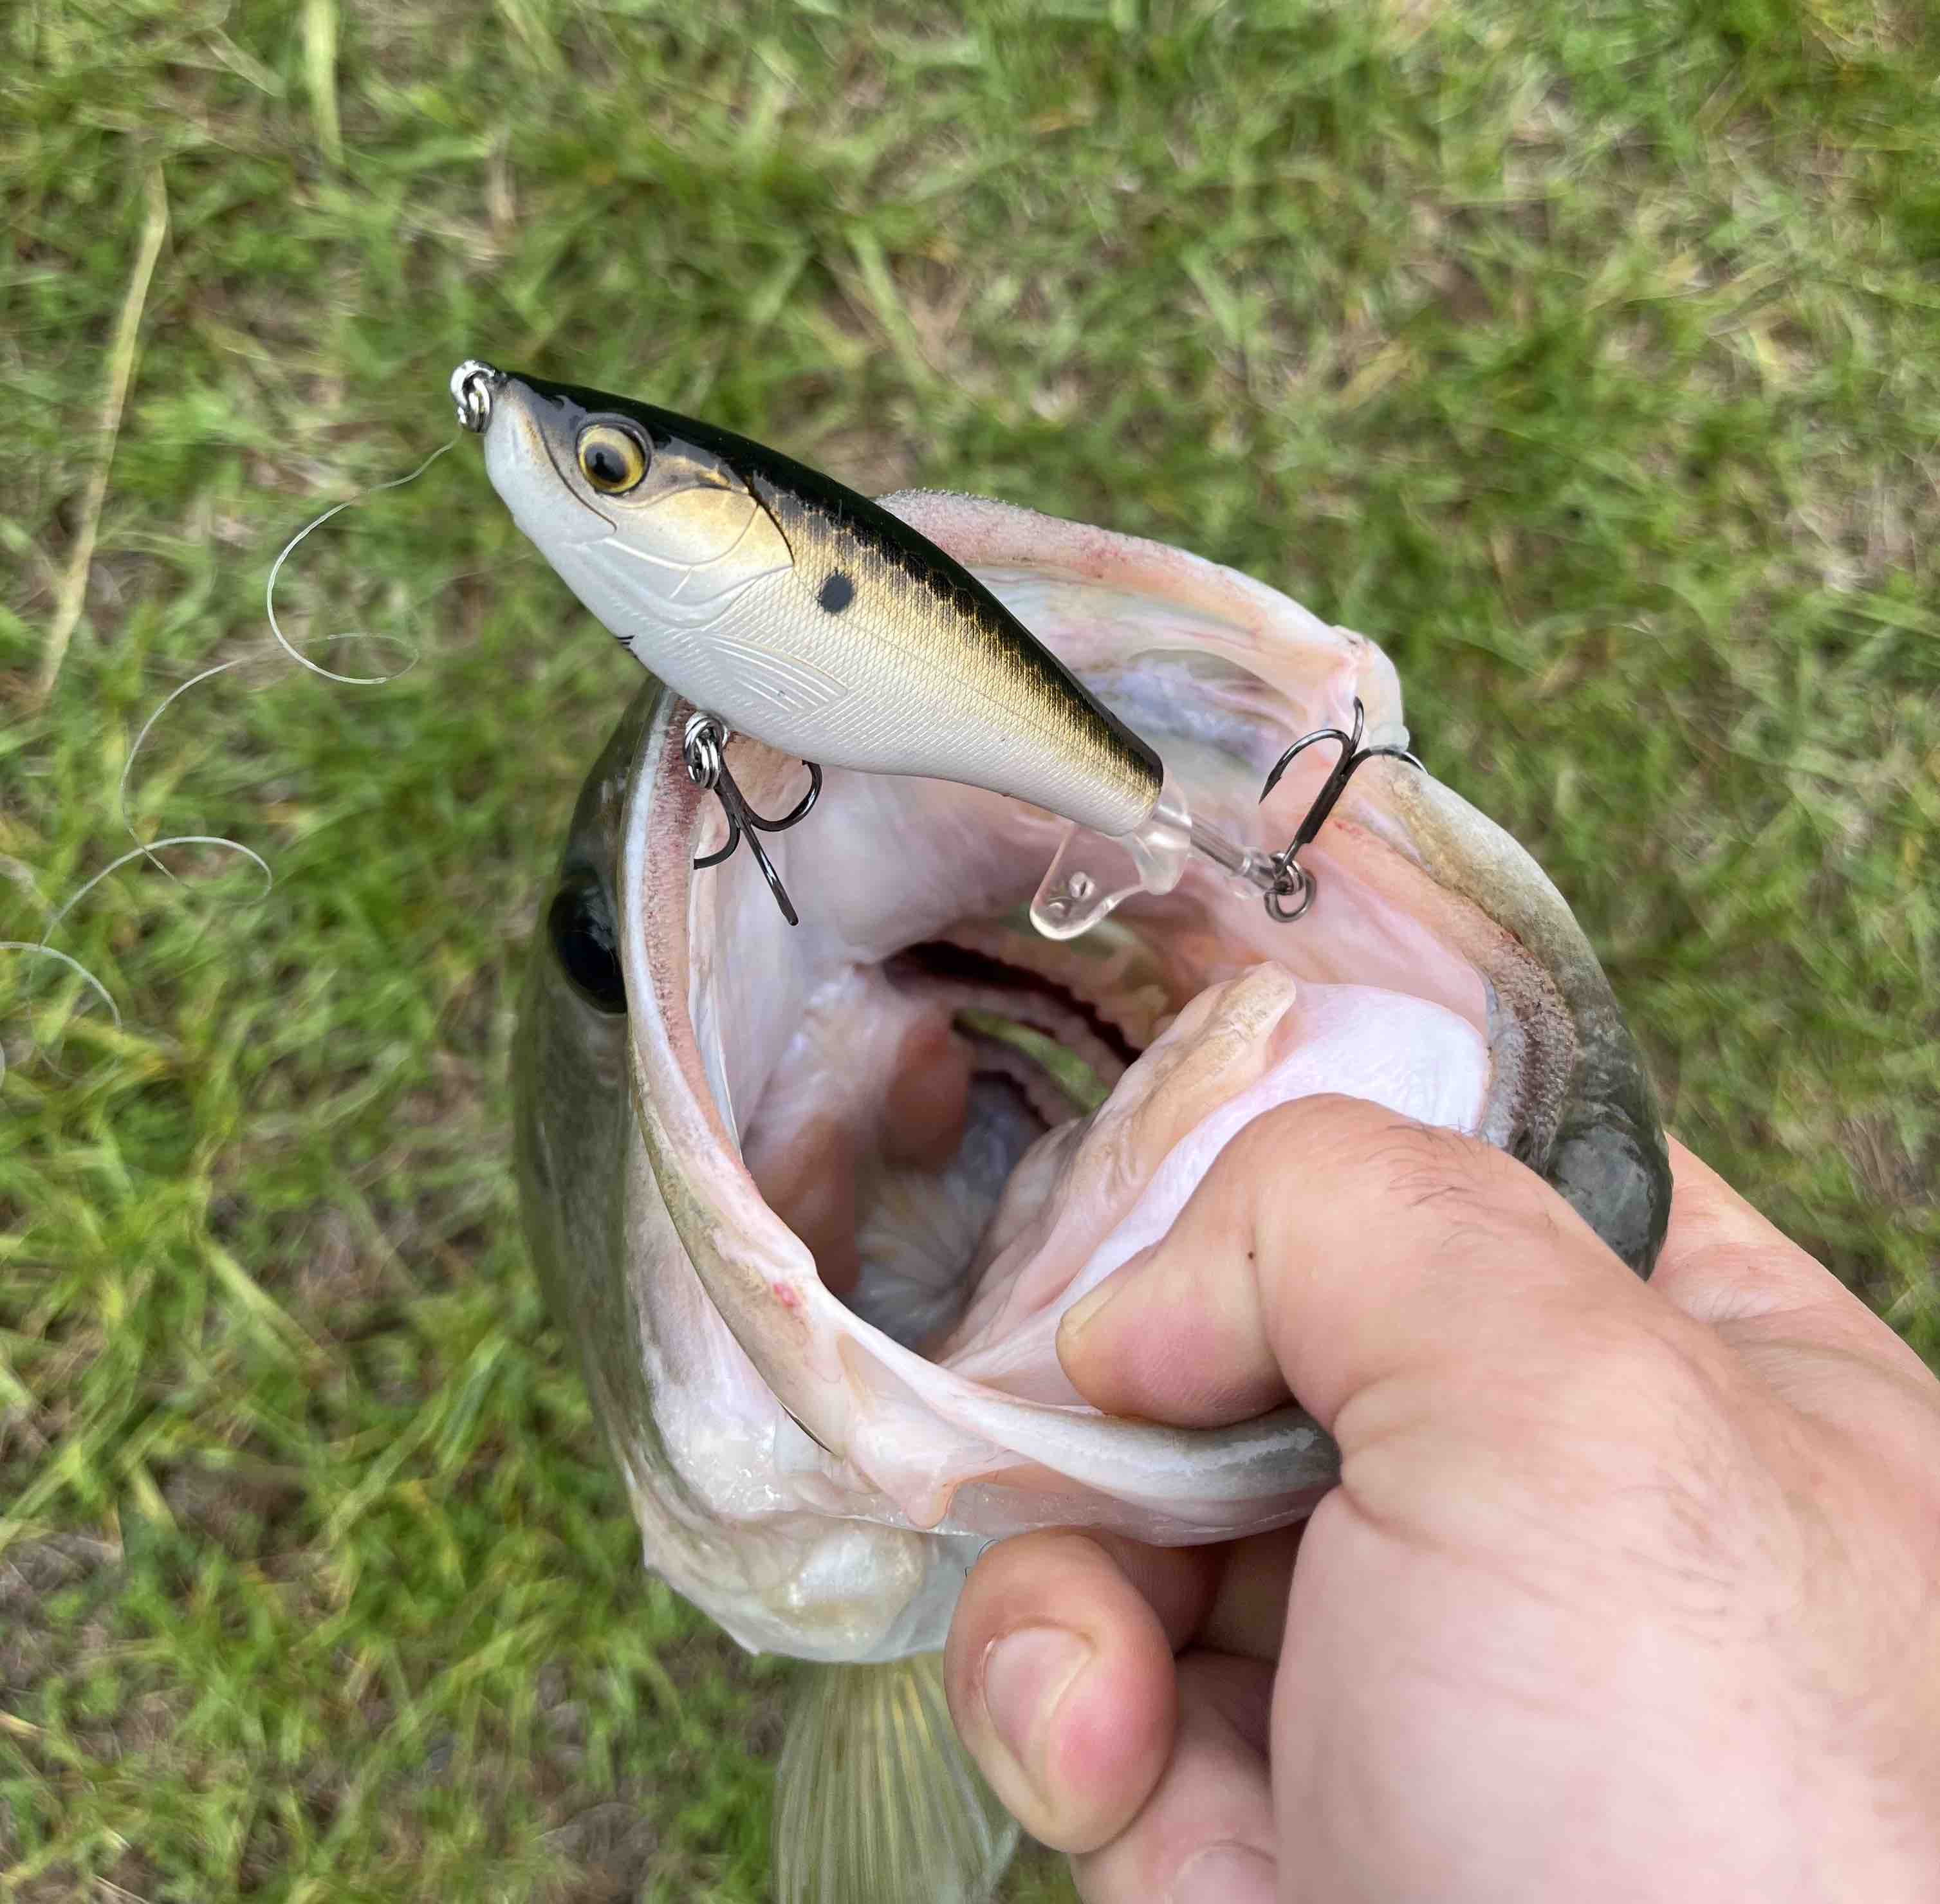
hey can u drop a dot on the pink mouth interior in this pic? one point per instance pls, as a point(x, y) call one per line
point(884, 1063)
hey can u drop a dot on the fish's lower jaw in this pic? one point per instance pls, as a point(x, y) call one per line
point(876, 1800)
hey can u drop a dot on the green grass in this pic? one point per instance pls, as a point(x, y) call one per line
point(1589, 357)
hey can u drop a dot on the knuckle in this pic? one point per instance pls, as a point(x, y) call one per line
point(1661, 1414)
point(1328, 1138)
point(1661, 1369)
point(1419, 1166)
point(1631, 1465)
point(1632, 1384)
point(1261, 1150)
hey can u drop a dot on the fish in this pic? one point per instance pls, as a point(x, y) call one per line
point(811, 1202)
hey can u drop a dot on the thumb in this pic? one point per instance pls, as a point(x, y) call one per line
point(1334, 1243)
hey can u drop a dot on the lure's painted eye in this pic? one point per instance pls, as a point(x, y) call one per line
point(612, 460)
point(580, 924)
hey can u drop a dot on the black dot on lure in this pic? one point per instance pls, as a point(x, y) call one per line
point(837, 593)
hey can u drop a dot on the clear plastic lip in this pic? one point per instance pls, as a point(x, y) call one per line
point(1093, 873)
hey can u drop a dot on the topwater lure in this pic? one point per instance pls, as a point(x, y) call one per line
point(783, 605)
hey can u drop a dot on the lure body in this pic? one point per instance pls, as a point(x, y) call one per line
point(798, 611)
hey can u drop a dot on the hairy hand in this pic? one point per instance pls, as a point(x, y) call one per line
point(1627, 1590)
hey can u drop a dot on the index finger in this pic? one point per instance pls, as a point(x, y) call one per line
point(1727, 1266)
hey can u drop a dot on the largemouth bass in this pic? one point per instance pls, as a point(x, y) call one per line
point(812, 1225)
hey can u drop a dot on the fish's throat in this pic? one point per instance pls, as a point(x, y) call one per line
point(907, 1096)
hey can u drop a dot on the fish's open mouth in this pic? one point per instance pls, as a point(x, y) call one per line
point(967, 1124)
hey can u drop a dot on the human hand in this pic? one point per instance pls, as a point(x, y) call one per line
point(1627, 1590)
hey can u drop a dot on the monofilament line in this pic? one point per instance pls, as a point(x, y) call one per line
point(275, 568)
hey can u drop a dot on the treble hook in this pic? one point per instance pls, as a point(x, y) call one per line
point(1293, 886)
point(701, 748)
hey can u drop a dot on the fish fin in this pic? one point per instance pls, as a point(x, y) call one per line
point(875, 1800)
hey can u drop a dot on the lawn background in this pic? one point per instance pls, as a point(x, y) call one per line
point(1586, 356)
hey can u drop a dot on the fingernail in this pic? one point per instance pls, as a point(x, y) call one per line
point(1025, 1673)
point(1225, 1874)
point(1081, 1312)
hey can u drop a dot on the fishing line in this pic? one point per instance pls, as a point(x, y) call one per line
point(143, 848)
point(412, 651)
point(148, 848)
point(151, 849)
point(74, 964)
point(310, 529)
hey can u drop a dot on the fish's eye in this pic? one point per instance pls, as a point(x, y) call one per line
point(580, 924)
point(612, 460)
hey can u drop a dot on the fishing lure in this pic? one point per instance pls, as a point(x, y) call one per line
point(785, 606)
